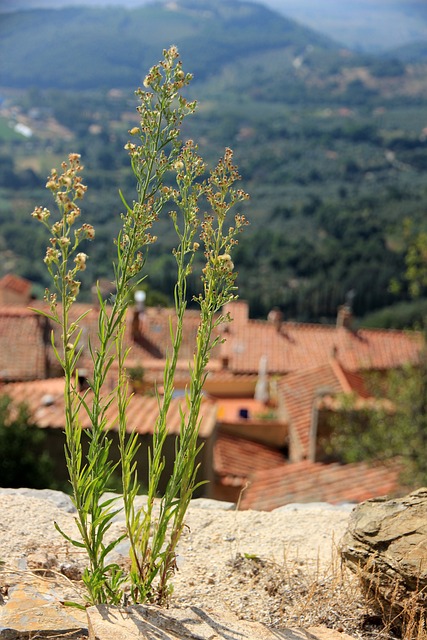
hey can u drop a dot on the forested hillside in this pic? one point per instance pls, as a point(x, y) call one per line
point(331, 145)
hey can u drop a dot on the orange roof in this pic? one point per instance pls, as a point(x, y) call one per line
point(45, 400)
point(294, 346)
point(155, 339)
point(155, 325)
point(316, 482)
point(22, 344)
point(235, 459)
point(15, 283)
point(299, 391)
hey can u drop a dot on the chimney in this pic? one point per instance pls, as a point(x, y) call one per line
point(345, 311)
point(275, 317)
point(344, 317)
point(105, 288)
point(139, 297)
point(225, 361)
point(138, 314)
point(82, 380)
point(239, 312)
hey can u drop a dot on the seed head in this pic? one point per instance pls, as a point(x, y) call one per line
point(80, 261)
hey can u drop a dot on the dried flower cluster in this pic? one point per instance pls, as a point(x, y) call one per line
point(67, 188)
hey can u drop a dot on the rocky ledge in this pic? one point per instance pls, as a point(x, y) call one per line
point(41, 572)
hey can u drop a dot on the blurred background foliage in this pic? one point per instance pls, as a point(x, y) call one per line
point(331, 145)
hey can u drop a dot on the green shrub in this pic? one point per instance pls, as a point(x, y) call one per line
point(24, 460)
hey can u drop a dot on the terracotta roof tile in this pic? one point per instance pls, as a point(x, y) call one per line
point(155, 343)
point(235, 459)
point(16, 284)
point(293, 346)
point(316, 482)
point(22, 344)
point(298, 392)
point(45, 400)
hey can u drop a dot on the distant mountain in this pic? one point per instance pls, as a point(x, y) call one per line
point(91, 48)
point(10, 6)
point(331, 144)
point(410, 53)
point(362, 25)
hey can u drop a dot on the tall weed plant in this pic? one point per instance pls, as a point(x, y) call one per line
point(159, 158)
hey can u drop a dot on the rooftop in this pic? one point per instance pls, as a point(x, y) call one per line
point(235, 459)
point(285, 347)
point(291, 346)
point(298, 392)
point(16, 284)
point(45, 400)
point(23, 341)
point(316, 482)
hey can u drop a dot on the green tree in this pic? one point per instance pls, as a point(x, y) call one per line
point(394, 432)
point(24, 460)
point(415, 274)
point(396, 429)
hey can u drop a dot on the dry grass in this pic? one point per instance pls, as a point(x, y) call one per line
point(402, 612)
point(332, 597)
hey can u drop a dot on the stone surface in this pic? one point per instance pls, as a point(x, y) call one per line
point(189, 623)
point(312, 506)
point(32, 586)
point(209, 503)
point(386, 544)
point(323, 633)
point(33, 606)
point(60, 499)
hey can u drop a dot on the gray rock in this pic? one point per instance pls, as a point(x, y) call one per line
point(208, 503)
point(141, 501)
point(386, 545)
point(34, 608)
point(312, 506)
point(60, 499)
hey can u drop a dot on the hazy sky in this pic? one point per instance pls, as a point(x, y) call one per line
point(364, 24)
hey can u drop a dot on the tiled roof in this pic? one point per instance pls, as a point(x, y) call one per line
point(316, 482)
point(15, 283)
point(270, 482)
point(235, 459)
point(45, 400)
point(299, 391)
point(23, 340)
point(292, 346)
point(155, 339)
point(155, 324)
